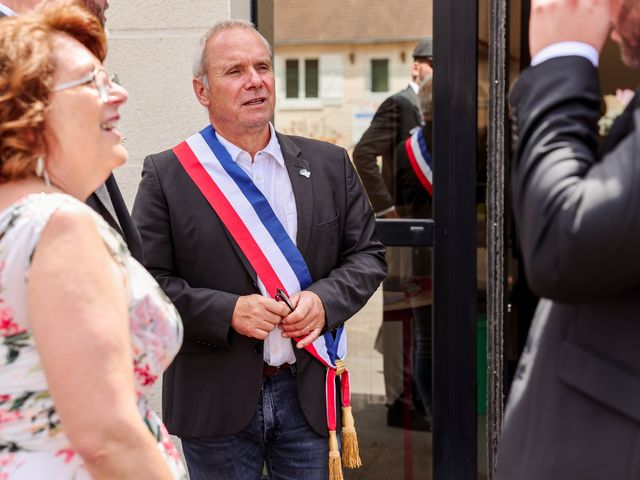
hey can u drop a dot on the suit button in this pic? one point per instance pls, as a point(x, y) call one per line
point(258, 348)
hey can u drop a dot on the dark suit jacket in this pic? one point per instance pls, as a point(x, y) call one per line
point(124, 224)
point(391, 124)
point(213, 385)
point(574, 407)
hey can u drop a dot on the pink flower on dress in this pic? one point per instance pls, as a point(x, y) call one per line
point(144, 375)
point(167, 444)
point(6, 459)
point(8, 416)
point(7, 326)
point(68, 454)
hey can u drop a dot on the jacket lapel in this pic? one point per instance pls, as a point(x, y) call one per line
point(241, 255)
point(302, 189)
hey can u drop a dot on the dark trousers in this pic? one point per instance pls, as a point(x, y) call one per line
point(278, 435)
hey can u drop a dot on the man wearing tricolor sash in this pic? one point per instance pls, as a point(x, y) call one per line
point(266, 244)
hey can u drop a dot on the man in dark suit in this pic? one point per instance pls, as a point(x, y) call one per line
point(574, 406)
point(395, 192)
point(107, 200)
point(241, 392)
point(391, 124)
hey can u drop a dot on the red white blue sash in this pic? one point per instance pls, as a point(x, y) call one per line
point(249, 218)
point(420, 159)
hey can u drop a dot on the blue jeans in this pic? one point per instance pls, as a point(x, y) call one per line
point(278, 434)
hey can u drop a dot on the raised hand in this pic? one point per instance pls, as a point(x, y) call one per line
point(554, 21)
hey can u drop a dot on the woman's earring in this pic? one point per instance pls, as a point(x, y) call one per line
point(41, 171)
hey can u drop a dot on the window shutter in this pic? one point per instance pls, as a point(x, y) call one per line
point(332, 78)
point(280, 77)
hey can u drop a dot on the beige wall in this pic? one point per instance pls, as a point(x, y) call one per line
point(151, 44)
point(150, 48)
point(345, 107)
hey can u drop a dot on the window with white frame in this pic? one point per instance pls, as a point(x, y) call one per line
point(310, 80)
point(302, 78)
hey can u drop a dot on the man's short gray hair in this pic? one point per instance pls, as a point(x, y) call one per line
point(199, 58)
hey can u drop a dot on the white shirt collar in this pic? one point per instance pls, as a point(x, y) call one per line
point(272, 148)
point(414, 86)
point(7, 11)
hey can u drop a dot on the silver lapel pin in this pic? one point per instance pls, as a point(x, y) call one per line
point(305, 173)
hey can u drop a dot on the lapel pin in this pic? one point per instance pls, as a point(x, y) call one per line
point(305, 173)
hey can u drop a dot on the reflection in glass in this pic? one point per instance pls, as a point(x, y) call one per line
point(347, 64)
point(311, 78)
point(389, 348)
point(380, 75)
point(293, 75)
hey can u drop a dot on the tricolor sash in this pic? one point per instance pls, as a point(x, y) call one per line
point(420, 159)
point(278, 263)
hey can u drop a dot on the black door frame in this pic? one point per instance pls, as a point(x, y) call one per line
point(455, 99)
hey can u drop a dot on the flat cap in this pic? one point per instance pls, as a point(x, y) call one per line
point(424, 49)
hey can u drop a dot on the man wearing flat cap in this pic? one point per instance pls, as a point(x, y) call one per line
point(393, 193)
point(391, 124)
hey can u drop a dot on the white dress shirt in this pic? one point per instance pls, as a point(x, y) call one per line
point(269, 173)
point(566, 49)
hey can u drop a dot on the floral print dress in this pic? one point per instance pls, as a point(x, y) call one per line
point(33, 444)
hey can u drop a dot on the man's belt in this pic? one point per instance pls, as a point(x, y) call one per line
point(269, 371)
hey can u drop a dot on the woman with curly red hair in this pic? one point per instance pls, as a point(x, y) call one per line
point(84, 330)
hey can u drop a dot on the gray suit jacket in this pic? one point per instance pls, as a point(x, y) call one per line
point(213, 385)
point(574, 407)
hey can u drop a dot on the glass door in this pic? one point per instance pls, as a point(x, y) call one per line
point(412, 348)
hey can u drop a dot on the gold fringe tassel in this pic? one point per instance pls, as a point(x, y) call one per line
point(335, 469)
point(350, 448)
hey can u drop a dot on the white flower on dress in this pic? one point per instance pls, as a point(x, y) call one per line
point(614, 106)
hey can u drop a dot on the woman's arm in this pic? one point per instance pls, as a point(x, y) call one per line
point(79, 316)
